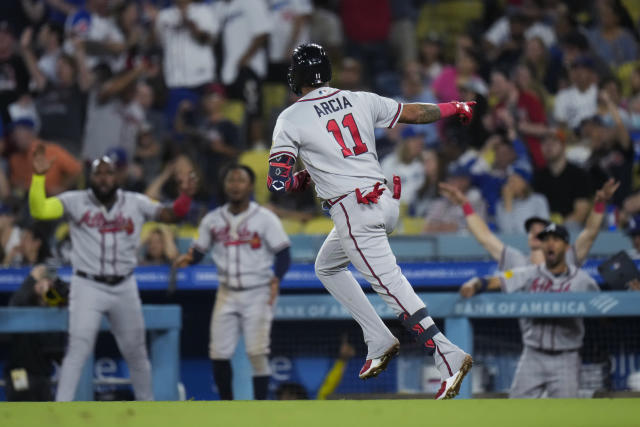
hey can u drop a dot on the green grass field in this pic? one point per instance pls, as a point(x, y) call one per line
point(368, 413)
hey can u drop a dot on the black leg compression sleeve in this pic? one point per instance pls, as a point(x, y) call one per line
point(261, 387)
point(222, 377)
point(421, 335)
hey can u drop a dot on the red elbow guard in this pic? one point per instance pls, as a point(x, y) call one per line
point(182, 205)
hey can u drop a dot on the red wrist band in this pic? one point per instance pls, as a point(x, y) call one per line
point(599, 207)
point(182, 205)
point(447, 109)
point(467, 209)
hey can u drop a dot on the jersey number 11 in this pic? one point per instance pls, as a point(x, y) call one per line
point(348, 123)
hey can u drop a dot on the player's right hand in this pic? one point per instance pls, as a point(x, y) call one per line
point(464, 111)
point(41, 164)
point(468, 289)
point(183, 260)
point(452, 193)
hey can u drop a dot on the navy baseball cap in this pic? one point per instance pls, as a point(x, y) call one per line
point(412, 131)
point(554, 229)
point(535, 220)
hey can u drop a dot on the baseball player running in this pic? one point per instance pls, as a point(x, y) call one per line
point(251, 253)
point(509, 257)
point(105, 224)
point(550, 360)
point(332, 132)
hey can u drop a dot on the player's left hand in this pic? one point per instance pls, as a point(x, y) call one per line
point(275, 289)
point(605, 193)
point(468, 289)
point(464, 111)
point(301, 181)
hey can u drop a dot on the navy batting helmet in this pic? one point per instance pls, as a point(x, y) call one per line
point(310, 66)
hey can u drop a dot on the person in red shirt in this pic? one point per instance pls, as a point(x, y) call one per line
point(523, 106)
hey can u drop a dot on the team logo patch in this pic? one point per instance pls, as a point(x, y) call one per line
point(508, 274)
point(255, 242)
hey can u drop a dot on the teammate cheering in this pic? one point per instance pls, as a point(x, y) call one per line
point(332, 131)
point(550, 360)
point(105, 227)
point(248, 241)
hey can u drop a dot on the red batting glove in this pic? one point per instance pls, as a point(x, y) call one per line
point(301, 181)
point(464, 111)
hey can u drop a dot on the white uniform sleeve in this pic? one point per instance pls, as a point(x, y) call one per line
point(71, 202)
point(205, 19)
point(161, 22)
point(203, 242)
point(285, 139)
point(512, 258)
point(275, 236)
point(386, 111)
point(259, 17)
point(588, 284)
point(148, 207)
point(516, 280)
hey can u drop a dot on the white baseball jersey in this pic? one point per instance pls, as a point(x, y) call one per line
point(549, 334)
point(243, 21)
point(187, 63)
point(106, 242)
point(512, 258)
point(244, 245)
point(283, 15)
point(332, 131)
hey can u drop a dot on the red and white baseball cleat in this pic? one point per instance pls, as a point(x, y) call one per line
point(451, 386)
point(373, 367)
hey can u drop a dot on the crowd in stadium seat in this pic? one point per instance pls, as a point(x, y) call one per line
point(165, 87)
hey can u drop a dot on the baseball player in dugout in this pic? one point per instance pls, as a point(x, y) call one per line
point(251, 252)
point(550, 362)
point(332, 132)
point(105, 224)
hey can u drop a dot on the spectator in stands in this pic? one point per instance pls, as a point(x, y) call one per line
point(49, 41)
point(545, 69)
point(509, 155)
point(402, 35)
point(431, 57)
point(406, 162)
point(611, 150)
point(33, 248)
point(116, 111)
point(217, 138)
point(14, 77)
point(148, 155)
point(579, 101)
point(414, 90)
point(95, 25)
point(247, 24)
point(567, 187)
point(62, 176)
point(29, 366)
point(518, 203)
point(159, 247)
point(443, 216)
point(524, 107)
point(428, 192)
point(290, 28)
point(350, 75)
point(9, 230)
point(467, 64)
point(60, 102)
point(186, 32)
point(509, 257)
point(326, 29)
point(609, 39)
point(611, 88)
